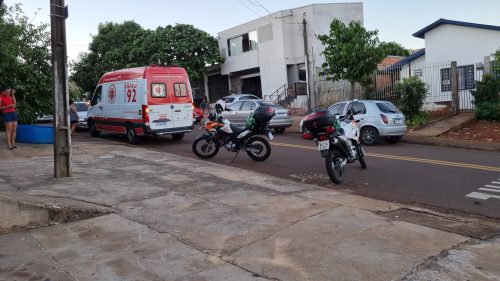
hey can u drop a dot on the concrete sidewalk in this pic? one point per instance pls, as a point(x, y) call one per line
point(160, 216)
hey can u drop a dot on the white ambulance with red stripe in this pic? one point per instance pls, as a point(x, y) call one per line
point(144, 100)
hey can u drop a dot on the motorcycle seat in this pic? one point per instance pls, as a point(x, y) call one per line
point(237, 130)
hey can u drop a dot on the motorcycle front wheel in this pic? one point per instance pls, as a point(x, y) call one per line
point(205, 148)
point(258, 148)
point(334, 167)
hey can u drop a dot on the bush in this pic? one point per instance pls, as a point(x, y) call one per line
point(487, 90)
point(422, 118)
point(488, 111)
point(412, 92)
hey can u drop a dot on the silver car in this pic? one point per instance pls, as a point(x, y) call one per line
point(238, 113)
point(378, 119)
point(81, 108)
point(238, 97)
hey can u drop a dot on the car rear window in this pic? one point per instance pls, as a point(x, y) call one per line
point(387, 107)
point(82, 106)
point(229, 100)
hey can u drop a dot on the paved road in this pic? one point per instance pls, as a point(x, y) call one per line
point(434, 177)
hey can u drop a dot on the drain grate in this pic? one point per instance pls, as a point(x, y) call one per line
point(474, 229)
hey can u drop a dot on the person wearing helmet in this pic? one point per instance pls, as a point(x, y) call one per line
point(220, 106)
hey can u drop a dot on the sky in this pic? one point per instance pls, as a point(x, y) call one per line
point(396, 20)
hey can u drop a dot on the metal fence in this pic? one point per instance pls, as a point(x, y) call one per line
point(439, 79)
point(449, 88)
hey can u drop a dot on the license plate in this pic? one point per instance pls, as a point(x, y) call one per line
point(270, 135)
point(398, 121)
point(323, 145)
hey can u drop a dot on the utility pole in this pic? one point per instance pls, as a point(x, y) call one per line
point(62, 141)
point(304, 32)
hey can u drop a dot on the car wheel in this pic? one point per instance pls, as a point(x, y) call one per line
point(93, 130)
point(393, 139)
point(132, 136)
point(369, 136)
point(279, 130)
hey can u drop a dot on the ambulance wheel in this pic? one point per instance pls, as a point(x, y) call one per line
point(132, 136)
point(178, 136)
point(93, 130)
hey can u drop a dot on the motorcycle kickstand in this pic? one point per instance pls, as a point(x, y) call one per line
point(234, 158)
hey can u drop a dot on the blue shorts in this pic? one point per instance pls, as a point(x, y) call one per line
point(9, 117)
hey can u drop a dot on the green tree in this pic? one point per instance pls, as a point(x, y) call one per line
point(110, 49)
point(394, 49)
point(182, 45)
point(351, 52)
point(126, 45)
point(25, 62)
point(496, 64)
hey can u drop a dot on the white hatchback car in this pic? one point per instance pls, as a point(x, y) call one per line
point(378, 119)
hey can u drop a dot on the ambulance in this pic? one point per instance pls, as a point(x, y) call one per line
point(154, 100)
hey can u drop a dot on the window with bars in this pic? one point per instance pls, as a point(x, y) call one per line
point(465, 78)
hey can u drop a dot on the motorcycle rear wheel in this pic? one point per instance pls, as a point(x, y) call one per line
point(259, 144)
point(335, 170)
point(205, 148)
point(362, 162)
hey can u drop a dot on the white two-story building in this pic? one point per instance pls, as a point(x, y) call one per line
point(268, 53)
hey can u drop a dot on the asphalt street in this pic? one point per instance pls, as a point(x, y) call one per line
point(444, 179)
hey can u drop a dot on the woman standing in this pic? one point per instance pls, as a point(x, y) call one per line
point(9, 115)
point(73, 116)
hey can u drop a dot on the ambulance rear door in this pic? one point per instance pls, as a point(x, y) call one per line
point(160, 103)
point(182, 104)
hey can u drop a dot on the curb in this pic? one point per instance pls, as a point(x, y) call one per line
point(436, 141)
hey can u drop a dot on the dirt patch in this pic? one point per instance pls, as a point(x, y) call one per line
point(487, 131)
point(470, 228)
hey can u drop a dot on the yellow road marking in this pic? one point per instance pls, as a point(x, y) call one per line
point(404, 158)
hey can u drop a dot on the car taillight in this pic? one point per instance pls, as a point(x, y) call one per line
point(145, 113)
point(289, 113)
point(322, 137)
point(329, 130)
point(384, 118)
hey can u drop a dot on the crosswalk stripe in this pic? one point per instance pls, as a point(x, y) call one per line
point(481, 196)
point(489, 189)
point(492, 186)
point(495, 182)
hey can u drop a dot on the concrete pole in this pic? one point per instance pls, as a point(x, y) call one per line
point(304, 34)
point(205, 84)
point(62, 141)
point(454, 88)
point(487, 65)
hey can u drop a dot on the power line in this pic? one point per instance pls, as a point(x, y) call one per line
point(242, 3)
point(36, 13)
point(269, 20)
point(258, 4)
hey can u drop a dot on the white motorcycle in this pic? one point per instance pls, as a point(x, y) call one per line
point(338, 141)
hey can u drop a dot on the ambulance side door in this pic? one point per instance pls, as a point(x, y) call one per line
point(96, 103)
